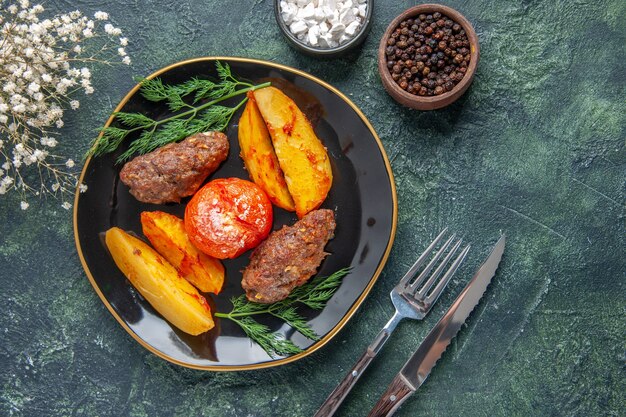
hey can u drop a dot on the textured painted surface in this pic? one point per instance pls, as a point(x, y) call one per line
point(535, 149)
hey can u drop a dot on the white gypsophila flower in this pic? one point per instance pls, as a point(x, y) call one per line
point(33, 87)
point(112, 30)
point(101, 15)
point(24, 205)
point(82, 188)
point(66, 205)
point(43, 60)
point(40, 155)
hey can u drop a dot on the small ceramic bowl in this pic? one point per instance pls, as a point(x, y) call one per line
point(337, 51)
point(428, 102)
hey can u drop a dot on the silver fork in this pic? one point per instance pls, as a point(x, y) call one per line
point(412, 300)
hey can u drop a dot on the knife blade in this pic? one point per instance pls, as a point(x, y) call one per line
point(418, 367)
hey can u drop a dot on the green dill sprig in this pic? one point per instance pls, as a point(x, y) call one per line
point(313, 294)
point(196, 108)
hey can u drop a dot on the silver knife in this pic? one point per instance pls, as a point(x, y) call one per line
point(418, 367)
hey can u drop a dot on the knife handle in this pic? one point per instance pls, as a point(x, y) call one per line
point(397, 392)
point(342, 390)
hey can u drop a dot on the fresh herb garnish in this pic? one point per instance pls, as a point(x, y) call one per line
point(196, 102)
point(313, 294)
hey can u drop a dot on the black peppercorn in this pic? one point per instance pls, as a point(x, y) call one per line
point(428, 55)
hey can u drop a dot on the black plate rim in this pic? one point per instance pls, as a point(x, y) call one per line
point(344, 320)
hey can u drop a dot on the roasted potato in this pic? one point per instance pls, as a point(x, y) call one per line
point(167, 234)
point(160, 283)
point(301, 155)
point(258, 155)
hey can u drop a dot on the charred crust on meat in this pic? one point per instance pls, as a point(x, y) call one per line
point(288, 257)
point(175, 170)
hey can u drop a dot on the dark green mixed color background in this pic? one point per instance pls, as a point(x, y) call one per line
point(534, 149)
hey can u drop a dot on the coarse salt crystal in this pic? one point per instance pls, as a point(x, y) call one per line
point(298, 27)
point(324, 23)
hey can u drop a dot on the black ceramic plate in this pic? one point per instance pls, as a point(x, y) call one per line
point(363, 197)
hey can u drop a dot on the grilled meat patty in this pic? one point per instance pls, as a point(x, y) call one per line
point(175, 170)
point(288, 257)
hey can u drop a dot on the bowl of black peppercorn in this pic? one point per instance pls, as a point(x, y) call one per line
point(428, 56)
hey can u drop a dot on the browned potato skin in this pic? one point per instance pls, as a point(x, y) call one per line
point(167, 234)
point(301, 155)
point(259, 157)
point(159, 283)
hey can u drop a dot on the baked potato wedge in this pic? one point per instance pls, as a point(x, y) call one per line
point(258, 155)
point(167, 235)
point(300, 153)
point(159, 282)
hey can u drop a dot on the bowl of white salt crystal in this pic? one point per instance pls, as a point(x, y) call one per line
point(324, 28)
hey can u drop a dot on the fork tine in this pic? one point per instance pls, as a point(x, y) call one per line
point(418, 281)
point(411, 272)
point(434, 295)
point(435, 275)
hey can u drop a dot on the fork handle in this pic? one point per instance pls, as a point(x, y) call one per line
point(397, 392)
point(336, 397)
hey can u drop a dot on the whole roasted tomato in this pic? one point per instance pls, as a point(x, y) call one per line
point(227, 217)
